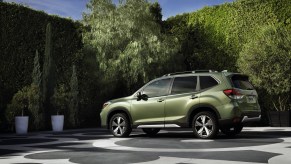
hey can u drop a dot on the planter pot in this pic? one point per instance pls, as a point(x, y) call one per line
point(21, 124)
point(57, 123)
point(279, 118)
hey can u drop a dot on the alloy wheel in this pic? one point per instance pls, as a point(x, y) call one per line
point(205, 125)
point(118, 126)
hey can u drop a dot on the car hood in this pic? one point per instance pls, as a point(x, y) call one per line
point(121, 99)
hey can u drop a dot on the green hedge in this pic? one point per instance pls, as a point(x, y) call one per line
point(22, 32)
point(213, 37)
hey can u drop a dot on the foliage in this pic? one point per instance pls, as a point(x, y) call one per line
point(156, 11)
point(129, 43)
point(18, 104)
point(22, 32)
point(36, 107)
point(126, 44)
point(269, 52)
point(49, 75)
point(74, 99)
point(212, 38)
point(23, 102)
point(36, 73)
point(60, 99)
point(89, 87)
point(48, 66)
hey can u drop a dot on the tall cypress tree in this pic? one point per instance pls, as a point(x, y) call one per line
point(36, 107)
point(36, 73)
point(48, 78)
point(74, 100)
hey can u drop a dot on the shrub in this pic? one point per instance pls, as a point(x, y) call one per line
point(25, 102)
point(60, 99)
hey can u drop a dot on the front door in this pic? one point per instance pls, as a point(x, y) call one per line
point(151, 112)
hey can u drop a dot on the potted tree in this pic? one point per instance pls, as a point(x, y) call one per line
point(17, 110)
point(59, 101)
point(280, 117)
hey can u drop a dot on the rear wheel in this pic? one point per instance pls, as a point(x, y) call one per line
point(119, 125)
point(151, 131)
point(232, 131)
point(205, 125)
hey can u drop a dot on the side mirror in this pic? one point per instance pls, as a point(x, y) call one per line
point(142, 96)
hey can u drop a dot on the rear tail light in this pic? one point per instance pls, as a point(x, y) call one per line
point(233, 94)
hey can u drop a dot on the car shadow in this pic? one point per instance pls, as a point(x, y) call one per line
point(243, 135)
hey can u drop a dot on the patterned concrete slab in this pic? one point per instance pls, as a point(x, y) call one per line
point(253, 145)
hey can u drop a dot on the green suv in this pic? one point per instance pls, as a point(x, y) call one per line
point(205, 101)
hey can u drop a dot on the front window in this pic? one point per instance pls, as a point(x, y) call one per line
point(157, 88)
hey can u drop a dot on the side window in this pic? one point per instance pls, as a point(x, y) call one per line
point(157, 88)
point(184, 85)
point(207, 82)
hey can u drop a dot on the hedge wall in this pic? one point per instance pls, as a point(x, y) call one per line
point(22, 32)
point(212, 37)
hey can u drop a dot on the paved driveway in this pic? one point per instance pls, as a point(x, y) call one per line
point(253, 145)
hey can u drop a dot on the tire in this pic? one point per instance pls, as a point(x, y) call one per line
point(151, 131)
point(120, 125)
point(232, 131)
point(205, 125)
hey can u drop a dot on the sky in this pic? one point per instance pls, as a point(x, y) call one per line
point(75, 8)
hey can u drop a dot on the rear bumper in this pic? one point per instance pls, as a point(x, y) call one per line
point(244, 118)
point(251, 119)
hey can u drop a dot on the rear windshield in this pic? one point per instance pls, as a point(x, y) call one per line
point(241, 82)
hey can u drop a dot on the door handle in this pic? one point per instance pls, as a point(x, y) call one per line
point(193, 97)
point(161, 100)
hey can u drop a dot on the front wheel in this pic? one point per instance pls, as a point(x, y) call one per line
point(205, 125)
point(151, 131)
point(119, 125)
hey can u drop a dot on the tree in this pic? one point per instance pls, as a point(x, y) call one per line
point(266, 59)
point(60, 99)
point(36, 107)
point(24, 103)
point(36, 73)
point(74, 98)
point(48, 78)
point(156, 11)
point(128, 42)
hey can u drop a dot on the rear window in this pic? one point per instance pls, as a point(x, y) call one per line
point(207, 82)
point(241, 82)
point(184, 85)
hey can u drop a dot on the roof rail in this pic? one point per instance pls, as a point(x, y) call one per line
point(185, 72)
point(177, 73)
point(197, 71)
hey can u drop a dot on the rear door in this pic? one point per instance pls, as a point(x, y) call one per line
point(184, 94)
point(249, 102)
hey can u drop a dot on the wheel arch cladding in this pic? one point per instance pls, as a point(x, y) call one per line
point(118, 110)
point(201, 108)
